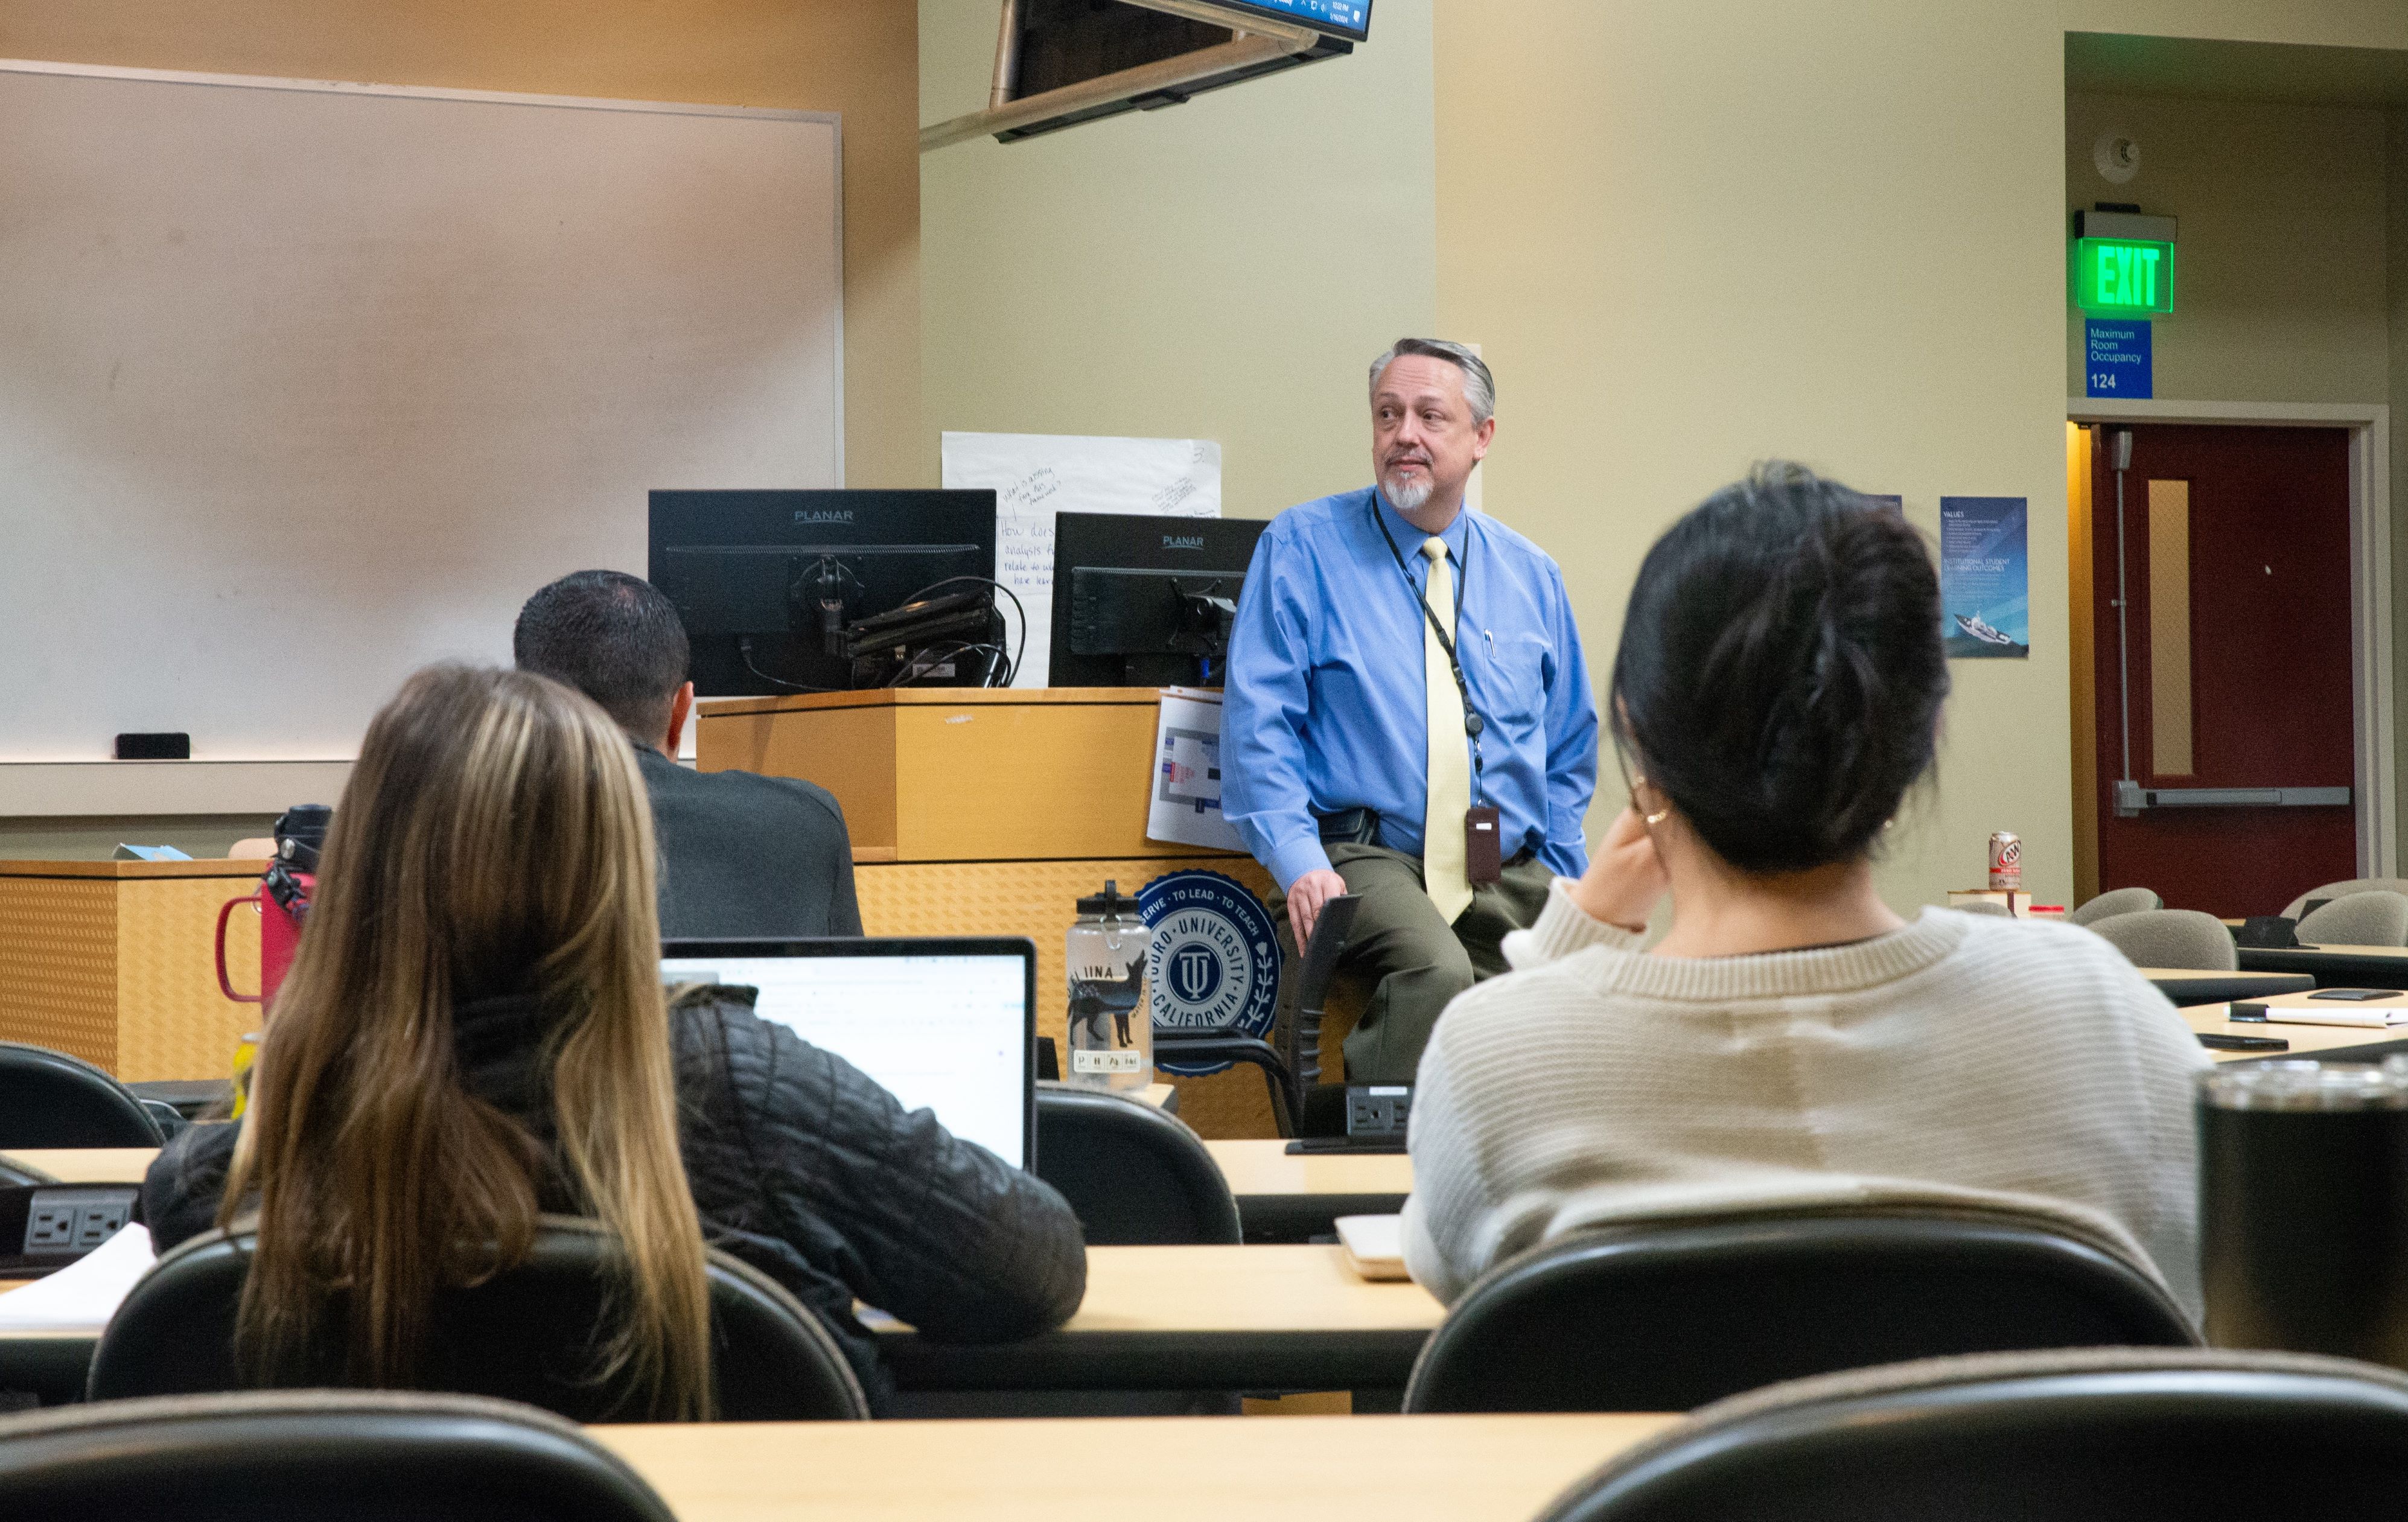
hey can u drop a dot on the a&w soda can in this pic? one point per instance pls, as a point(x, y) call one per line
point(2006, 860)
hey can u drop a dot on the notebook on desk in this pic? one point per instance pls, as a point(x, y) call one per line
point(2286, 1015)
point(2327, 1015)
point(1374, 1246)
point(945, 1023)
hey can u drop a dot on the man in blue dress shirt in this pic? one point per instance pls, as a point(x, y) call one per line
point(1407, 714)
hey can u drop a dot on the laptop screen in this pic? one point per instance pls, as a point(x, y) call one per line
point(945, 1023)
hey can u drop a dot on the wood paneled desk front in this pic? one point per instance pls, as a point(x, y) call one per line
point(1191, 1468)
point(113, 962)
point(989, 812)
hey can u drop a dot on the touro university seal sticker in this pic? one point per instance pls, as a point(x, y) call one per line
point(1212, 959)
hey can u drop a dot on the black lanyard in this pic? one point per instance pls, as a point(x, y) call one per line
point(1472, 723)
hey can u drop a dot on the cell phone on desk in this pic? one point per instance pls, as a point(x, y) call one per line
point(2355, 996)
point(2243, 1043)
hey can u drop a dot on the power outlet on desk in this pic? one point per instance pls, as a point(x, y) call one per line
point(50, 1227)
point(1378, 1111)
point(74, 1221)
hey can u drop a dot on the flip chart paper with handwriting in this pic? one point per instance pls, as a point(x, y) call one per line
point(1035, 476)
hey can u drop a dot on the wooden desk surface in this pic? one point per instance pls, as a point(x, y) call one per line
point(1213, 1291)
point(1190, 1468)
point(2176, 974)
point(1290, 1288)
point(1221, 1318)
point(87, 1165)
point(1265, 1168)
point(2306, 1041)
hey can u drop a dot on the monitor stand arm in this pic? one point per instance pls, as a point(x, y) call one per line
point(1204, 620)
point(815, 595)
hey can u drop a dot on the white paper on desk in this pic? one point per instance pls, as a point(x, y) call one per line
point(1374, 1244)
point(82, 1296)
point(2336, 1013)
point(1183, 803)
point(1035, 476)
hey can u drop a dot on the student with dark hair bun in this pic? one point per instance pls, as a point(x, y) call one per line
point(1790, 1041)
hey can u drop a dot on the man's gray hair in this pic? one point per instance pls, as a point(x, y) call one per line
point(1479, 386)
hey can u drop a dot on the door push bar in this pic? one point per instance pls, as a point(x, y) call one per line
point(2131, 797)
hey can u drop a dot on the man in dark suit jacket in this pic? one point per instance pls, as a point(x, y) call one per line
point(740, 854)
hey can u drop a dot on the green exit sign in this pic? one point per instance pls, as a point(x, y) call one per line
point(2123, 275)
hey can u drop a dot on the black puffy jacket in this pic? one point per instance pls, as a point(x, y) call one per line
point(801, 1165)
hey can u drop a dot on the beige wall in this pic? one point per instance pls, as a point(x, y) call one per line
point(854, 57)
point(1696, 232)
point(1222, 269)
point(2280, 281)
point(76, 839)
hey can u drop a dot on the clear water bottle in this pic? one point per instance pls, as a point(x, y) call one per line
point(1111, 1020)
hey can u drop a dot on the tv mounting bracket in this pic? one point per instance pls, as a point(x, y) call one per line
point(1258, 40)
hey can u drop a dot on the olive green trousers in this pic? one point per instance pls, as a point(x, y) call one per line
point(1418, 960)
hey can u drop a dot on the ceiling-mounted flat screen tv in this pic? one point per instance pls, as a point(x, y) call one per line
point(1064, 43)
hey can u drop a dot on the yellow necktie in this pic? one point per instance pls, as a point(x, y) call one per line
point(1449, 763)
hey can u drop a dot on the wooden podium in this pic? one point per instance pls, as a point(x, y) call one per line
point(114, 962)
point(989, 812)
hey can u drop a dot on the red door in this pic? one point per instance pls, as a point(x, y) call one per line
point(2240, 686)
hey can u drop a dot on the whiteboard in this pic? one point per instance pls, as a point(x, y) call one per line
point(305, 385)
point(1038, 477)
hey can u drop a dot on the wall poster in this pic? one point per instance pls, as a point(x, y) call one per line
point(1985, 578)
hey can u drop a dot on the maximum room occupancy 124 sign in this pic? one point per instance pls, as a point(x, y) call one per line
point(2117, 360)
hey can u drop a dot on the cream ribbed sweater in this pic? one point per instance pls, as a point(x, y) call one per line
point(1962, 1055)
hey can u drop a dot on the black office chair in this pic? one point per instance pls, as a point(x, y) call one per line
point(2093, 1435)
point(51, 1100)
point(1291, 1070)
point(525, 1335)
point(309, 1455)
point(1136, 1176)
point(1667, 1316)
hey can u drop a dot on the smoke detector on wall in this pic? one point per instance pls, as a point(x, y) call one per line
point(2117, 155)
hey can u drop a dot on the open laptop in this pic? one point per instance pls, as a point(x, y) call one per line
point(945, 1023)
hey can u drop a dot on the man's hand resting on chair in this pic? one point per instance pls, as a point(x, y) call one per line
point(1305, 897)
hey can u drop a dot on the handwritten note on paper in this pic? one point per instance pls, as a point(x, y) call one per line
point(1035, 476)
